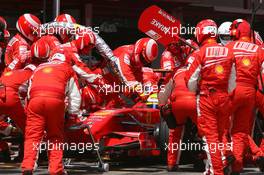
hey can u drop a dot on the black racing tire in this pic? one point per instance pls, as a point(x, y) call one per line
point(163, 139)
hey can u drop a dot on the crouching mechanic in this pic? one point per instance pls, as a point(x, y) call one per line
point(209, 75)
point(132, 58)
point(50, 84)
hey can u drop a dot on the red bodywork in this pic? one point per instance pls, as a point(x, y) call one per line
point(130, 129)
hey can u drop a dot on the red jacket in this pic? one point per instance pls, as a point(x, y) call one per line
point(17, 80)
point(52, 41)
point(17, 53)
point(247, 61)
point(14, 79)
point(56, 79)
point(130, 70)
point(210, 68)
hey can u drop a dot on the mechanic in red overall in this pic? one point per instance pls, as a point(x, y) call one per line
point(64, 36)
point(209, 76)
point(247, 62)
point(132, 58)
point(49, 41)
point(17, 53)
point(183, 104)
point(16, 83)
point(255, 152)
point(50, 84)
point(168, 62)
point(91, 78)
point(85, 68)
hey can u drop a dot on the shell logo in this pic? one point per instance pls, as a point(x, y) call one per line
point(47, 70)
point(8, 73)
point(219, 69)
point(246, 61)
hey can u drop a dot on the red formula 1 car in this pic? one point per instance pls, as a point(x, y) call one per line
point(125, 132)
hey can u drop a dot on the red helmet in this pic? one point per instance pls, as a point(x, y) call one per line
point(40, 50)
point(145, 51)
point(65, 18)
point(90, 97)
point(205, 29)
point(27, 25)
point(84, 41)
point(65, 36)
point(240, 28)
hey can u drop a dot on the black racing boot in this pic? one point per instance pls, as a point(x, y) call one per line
point(173, 168)
point(229, 161)
point(27, 172)
point(260, 163)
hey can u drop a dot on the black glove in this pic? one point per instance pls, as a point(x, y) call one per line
point(167, 115)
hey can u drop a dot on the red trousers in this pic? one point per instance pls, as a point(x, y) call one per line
point(214, 109)
point(174, 152)
point(44, 114)
point(183, 106)
point(12, 106)
point(243, 117)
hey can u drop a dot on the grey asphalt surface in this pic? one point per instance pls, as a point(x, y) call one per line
point(117, 169)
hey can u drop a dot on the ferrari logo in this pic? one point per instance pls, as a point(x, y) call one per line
point(8, 73)
point(246, 62)
point(219, 69)
point(47, 70)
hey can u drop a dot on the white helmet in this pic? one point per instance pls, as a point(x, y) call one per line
point(224, 32)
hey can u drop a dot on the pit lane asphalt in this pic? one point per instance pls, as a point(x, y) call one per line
point(81, 168)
